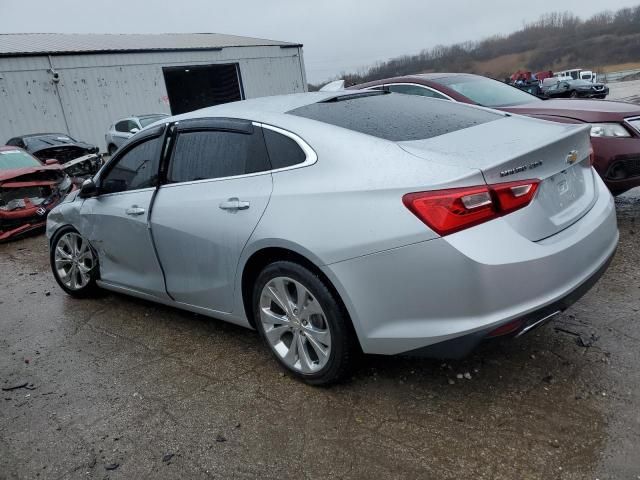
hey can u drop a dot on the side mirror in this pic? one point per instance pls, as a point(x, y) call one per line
point(134, 130)
point(88, 189)
point(51, 161)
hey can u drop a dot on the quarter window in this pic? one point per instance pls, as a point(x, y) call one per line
point(137, 168)
point(415, 90)
point(216, 154)
point(283, 151)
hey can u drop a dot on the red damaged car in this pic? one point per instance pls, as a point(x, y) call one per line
point(615, 126)
point(29, 189)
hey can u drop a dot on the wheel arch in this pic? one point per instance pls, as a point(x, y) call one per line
point(262, 257)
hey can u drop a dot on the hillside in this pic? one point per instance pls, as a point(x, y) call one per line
point(556, 41)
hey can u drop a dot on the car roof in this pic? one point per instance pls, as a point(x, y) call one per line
point(256, 108)
point(435, 76)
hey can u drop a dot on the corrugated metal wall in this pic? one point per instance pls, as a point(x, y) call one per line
point(95, 90)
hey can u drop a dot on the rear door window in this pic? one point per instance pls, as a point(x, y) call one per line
point(210, 154)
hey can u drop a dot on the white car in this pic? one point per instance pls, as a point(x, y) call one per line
point(125, 128)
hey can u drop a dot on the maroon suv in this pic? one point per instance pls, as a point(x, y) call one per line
point(615, 126)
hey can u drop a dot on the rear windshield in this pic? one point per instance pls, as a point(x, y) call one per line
point(10, 159)
point(395, 117)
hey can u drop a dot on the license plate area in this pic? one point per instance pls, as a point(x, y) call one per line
point(565, 195)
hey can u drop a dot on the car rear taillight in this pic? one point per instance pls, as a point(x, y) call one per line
point(454, 209)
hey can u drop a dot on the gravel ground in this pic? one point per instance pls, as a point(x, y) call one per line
point(122, 388)
point(626, 91)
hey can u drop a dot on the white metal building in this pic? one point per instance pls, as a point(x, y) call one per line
point(81, 83)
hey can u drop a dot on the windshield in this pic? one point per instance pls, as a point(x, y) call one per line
point(149, 120)
point(11, 159)
point(487, 92)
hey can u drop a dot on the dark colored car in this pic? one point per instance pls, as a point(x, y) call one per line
point(29, 190)
point(530, 87)
point(575, 89)
point(615, 126)
point(58, 146)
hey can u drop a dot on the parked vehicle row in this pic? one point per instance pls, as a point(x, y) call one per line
point(574, 83)
point(359, 220)
point(36, 171)
point(29, 189)
point(574, 89)
point(615, 126)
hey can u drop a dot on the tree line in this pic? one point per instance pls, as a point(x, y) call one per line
point(555, 41)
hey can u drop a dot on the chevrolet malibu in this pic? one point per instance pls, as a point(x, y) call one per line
point(336, 223)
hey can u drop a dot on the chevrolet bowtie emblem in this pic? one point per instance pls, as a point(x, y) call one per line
point(572, 157)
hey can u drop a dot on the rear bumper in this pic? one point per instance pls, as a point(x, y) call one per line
point(473, 281)
point(461, 346)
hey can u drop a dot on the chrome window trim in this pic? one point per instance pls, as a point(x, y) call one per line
point(447, 97)
point(310, 155)
point(124, 192)
point(311, 158)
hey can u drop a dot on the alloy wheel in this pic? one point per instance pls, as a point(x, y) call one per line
point(74, 260)
point(295, 325)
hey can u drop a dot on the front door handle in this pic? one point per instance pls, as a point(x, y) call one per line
point(134, 210)
point(234, 204)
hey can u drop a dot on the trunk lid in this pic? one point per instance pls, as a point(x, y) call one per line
point(520, 148)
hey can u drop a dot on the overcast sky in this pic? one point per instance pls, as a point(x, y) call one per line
point(338, 35)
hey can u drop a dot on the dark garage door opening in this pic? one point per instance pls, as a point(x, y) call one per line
point(197, 86)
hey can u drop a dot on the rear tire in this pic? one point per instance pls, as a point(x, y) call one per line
point(112, 149)
point(74, 263)
point(304, 326)
point(574, 94)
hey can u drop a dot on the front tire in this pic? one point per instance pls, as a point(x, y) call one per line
point(74, 263)
point(306, 328)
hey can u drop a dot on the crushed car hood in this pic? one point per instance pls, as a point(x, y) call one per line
point(32, 174)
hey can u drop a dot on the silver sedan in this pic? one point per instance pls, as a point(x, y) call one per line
point(337, 223)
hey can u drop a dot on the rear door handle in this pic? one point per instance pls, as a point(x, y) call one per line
point(234, 204)
point(134, 210)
